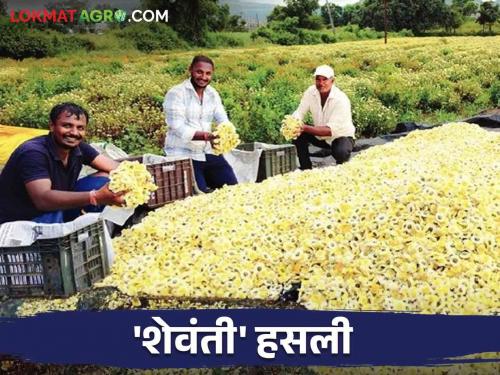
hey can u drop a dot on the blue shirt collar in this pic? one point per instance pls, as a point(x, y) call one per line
point(52, 147)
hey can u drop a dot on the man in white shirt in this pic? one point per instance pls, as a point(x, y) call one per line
point(332, 119)
point(190, 108)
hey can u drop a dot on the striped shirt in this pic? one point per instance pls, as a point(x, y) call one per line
point(186, 114)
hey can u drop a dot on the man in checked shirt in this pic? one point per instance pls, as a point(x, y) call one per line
point(190, 108)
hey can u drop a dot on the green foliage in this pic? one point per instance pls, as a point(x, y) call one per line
point(29, 112)
point(280, 32)
point(176, 68)
point(465, 7)
point(336, 13)
point(188, 18)
point(371, 117)
point(495, 93)
point(236, 23)
point(287, 32)
point(18, 41)
point(192, 20)
point(217, 40)
point(313, 22)
point(70, 43)
point(352, 14)
point(469, 27)
point(468, 90)
point(3, 7)
point(47, 88)
point(149, 37)
point(6, 91)
point(488, 14)
point(136, 141)
point(416, 15)
point(222, 20)
point(303, 10)
point(452, 19)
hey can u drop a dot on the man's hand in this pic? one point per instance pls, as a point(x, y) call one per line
point(209, 136)
point(319, 131)
point(104, 196)
point(203, 136)
point(300, 130)
point(211, 139)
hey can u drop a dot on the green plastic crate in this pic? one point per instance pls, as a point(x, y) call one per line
point(55, 267)
point(274, 160)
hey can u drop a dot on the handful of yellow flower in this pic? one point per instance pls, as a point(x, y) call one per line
point(134, 178)
point(227, 138)
point(290, 127)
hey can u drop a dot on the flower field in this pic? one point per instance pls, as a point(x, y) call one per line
point(410, 79)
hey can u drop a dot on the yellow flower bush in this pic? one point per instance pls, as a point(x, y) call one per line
point(134, 178)
point(410, 226)
point(227, 138)
point(290, 127)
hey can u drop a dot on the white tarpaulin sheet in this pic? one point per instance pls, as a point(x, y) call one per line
point(245, 164)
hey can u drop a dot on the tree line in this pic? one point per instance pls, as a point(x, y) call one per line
point(415, 15)
point(193, 19)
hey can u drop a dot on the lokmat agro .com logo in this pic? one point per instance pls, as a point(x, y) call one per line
point(86, 16)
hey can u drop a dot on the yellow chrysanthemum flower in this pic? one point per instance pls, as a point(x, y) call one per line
point(290, 127)
point(134, 178)
point(227, 138)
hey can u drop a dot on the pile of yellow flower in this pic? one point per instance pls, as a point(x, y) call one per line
point(290, 127)
point(36, 306)
point(412, 225)
point(134, 178)
point(227, 138)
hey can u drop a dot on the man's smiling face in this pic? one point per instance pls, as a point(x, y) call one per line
point(201, 74)
point(69, 130)
point(323, 84)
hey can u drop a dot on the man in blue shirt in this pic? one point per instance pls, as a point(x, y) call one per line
point(40, 177)
point(190, 108)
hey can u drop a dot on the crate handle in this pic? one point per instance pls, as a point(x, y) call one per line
point(280, 153)
point(186, 183)
point(83, 236)
point(168, 168)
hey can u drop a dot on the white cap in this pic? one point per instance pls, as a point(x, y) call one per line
point(325, 71)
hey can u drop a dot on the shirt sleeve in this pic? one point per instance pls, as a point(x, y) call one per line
point(341, 117)
point(175, 116)
point(303, 108)
point(33, 165)
point(220, 114)
point(88, 153)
